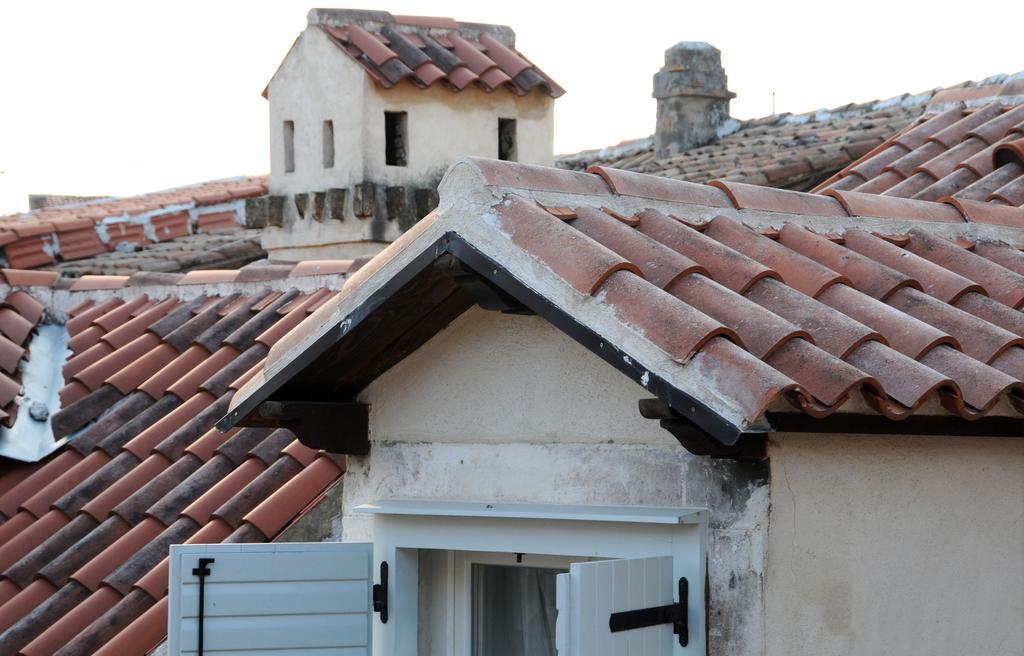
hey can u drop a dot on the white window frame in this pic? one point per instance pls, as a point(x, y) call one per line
point(402, 528)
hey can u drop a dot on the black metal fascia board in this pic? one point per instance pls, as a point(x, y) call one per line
point(685, 404)
point(309, 355)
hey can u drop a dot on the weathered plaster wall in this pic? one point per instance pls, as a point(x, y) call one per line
point(506, 408)
point(316, 82)
point(444, 126)
point(360, 204)
point(905, 545)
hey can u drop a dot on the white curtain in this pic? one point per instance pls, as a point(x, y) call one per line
point(513, 611)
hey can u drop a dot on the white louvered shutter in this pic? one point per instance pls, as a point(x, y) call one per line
point(289, 598)
point(588, 595)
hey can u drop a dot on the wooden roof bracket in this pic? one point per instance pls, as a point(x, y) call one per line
point(749, 446)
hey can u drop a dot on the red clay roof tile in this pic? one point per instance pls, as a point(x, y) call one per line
point(30, 537)
point(24, 601)
point(69, 625)
point(1000, 283)
point(432, 50)
point(139, 637)
point(84, 319)
point(532, 230)
point(678, 329)
point(858, 204)
point(89, 283)
point(10, 355)
point(964, 155)
point(113, 556)
point(746, 196)
point(40, 502)
point(41, 476)
point(14, 326)
point(279, 508)
point(102, 370)
point(104, 502)
point(21, 277)
point(201, 510)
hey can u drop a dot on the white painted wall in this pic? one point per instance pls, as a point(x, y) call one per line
point(904, 545)
point(318, 82)
point(444, 126)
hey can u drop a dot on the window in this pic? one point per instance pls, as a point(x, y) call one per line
point(507, 139)
point(328, 138)
point(513, 609)
point(396, 139)
point(289, 146)
point(531, 580)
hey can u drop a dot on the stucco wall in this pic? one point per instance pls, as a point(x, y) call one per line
point(903, 545)
point(506, 408)
point(318, 82)
point(444, 126)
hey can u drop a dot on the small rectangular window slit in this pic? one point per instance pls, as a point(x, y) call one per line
point(507, 139)
point(396, 139)
point(328, 144)
point(289, 146)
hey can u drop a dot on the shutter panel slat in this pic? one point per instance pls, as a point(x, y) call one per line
point(296, 599)
point(591, 592)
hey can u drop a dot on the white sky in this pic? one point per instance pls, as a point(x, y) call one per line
point(118, 98)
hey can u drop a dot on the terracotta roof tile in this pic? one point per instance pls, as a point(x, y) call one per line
point(84, 527)
point(778, 310)
point(201, 510)
point(105, 501)
point(16, 524)
point(800, 151)
point(42, 475)
point(25, 569)
point(431, 51)
point(30, 537)
point(300, 453)
point(40, 502)
point(149, 556)
point(58, 571)
point(24, 601)
point(117, 553)
point(969, 155)
point(278, 509)
point(42, 616)
point(86, 316)
point(83, 243)
point(108, 624)
point(532, 229)
point(70, 624)
point(257, 490)
point(139, 637)
point(18, 277)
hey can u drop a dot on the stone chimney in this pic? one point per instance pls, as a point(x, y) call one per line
point(693, 99)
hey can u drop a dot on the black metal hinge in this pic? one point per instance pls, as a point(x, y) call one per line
point(674, 614)
point(202, 572)
point(380, 594)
